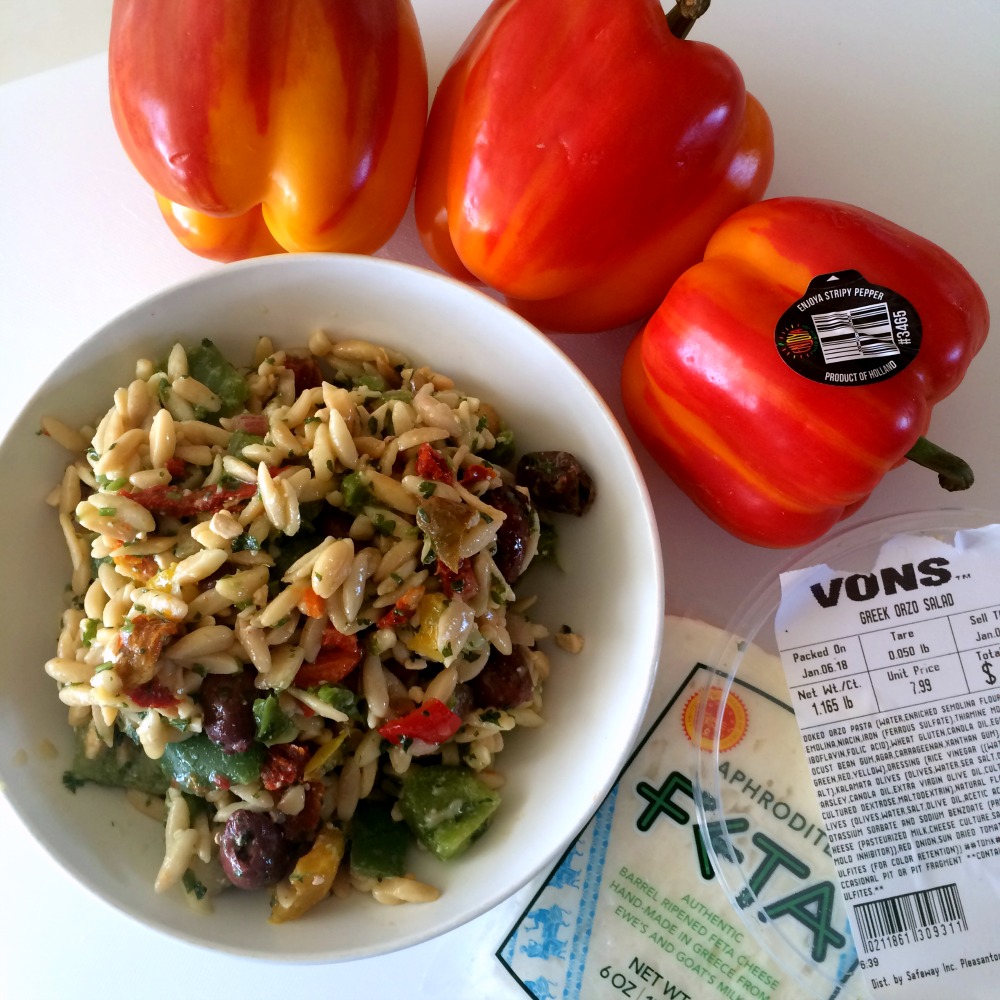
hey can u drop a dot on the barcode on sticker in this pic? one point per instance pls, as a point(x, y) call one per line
point(855, 334)
point(909, 918)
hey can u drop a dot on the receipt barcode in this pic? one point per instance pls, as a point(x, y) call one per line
point(910, 917)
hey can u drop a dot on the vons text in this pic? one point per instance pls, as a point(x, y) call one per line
point(888, 580)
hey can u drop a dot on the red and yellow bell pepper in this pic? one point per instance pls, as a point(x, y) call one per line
point(717, 384)
point(579, 155)
point(266, 126)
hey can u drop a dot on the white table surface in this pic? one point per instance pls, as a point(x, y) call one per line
point(894, 106)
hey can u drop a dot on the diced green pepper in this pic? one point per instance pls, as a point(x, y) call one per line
point(196, 764)
point(239, 440)
point(273, 726)
point(378, 842)
point(123, 765)
point(369, 381)
point(446, 807)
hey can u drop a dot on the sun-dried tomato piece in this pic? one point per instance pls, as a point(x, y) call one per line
point(307, 372)
point(431, 464)
point(141, 646)
point(152, 694)
point(138, 568)
point(476, 473)
point(462, 584)
point(170, 500)
point(176, 467)
point(284, 765)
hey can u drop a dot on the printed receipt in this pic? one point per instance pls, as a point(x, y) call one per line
point(635, 907)
point(894, 675)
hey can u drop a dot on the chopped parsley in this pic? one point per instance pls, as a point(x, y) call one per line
point(207, 364)
point(88, 630)
point(193, 885)
point(355, 492)
point(502, 451)
point(246, 542)
point(72, 782)
point(374, 382)
point(239, 440)
point(110, 485)
point(383, 525)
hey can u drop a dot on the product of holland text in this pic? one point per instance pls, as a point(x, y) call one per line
point(634, 908)
point(894, 673)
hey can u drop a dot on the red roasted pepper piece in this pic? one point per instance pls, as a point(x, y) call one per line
point(265, 126)
point(432, 722)
point(339, 654)
point(312, 604)
point(403, 610)
point(579, 155)
point(775, 457)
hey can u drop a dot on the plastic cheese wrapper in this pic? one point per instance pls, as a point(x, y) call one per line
point(635, 908)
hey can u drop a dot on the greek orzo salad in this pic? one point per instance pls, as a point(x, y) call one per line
point(297, 630)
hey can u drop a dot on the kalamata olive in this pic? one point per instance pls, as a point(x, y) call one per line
point(505, 681)
point(227, 706)
point(462, 700)
point(515, 533)
point(557, 481)
point(253, 851)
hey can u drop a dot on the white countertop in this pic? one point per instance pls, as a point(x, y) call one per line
point(892, 106)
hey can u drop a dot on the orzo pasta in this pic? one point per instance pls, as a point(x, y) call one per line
point(294, 617)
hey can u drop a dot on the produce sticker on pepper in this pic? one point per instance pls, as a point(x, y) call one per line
point(847, 331)
point(894, 674)
point(636, 907)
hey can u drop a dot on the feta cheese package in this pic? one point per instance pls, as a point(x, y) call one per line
point(646, 902)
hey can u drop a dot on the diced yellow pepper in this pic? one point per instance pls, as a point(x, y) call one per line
point(312, 878)
point(316, 766)
point(424, 642)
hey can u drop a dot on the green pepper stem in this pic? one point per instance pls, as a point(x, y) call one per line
point(953, 472)
point(681, 17)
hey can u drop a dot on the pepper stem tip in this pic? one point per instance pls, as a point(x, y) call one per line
point(954, 473)
point(681, 17)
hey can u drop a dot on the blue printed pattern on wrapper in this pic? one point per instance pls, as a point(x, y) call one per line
point(549, 965)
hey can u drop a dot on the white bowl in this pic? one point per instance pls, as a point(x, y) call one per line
point(610, 589)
